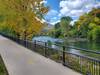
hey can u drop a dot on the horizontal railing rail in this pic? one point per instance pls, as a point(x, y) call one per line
point(81, 63)
point(86, 50)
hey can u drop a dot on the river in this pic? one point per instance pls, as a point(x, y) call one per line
point(84, 45)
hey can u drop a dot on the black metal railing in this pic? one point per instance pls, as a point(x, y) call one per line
point(83, 64)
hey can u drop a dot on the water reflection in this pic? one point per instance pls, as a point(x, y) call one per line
point(85, 45)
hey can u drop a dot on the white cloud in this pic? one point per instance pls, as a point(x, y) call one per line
point(53, 23)
point(97, 5)
point(51, 16)
point(63, 3)
point(76, 12)
point(72, 4)
point(72, 22)
point(72, 8)
point(76, 7)
point(64, 10)
point(76, 4)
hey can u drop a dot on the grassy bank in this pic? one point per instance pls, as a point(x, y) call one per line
point(3, 70)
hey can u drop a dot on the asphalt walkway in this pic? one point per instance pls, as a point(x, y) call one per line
point(22, 61)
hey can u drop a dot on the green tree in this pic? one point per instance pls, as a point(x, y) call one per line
point(88, 25)
point(65, 25)
point(57, 30)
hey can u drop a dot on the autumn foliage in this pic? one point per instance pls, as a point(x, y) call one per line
point(18, 17)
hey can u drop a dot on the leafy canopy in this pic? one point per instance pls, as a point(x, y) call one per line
point(18, 17)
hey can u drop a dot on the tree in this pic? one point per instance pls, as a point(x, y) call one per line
point(65, 25)
point(88, 25)
point(20, 17)
point(57, 25)
point(57, 30)
point(94, 34)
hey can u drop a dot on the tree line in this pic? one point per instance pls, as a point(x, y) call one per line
point(87, 26)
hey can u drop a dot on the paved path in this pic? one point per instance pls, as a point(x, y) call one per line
point(21, 61)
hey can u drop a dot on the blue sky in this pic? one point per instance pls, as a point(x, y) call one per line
point(72, 8)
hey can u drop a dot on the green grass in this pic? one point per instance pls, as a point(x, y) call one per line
point(3, 70)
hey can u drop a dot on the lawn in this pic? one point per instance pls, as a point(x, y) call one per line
point(3, 70)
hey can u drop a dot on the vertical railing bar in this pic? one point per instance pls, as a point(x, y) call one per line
point(35, 44)
point(45, 50)
point(81, 64)
point(93, 67)
point(96, 68)
point(63, 57)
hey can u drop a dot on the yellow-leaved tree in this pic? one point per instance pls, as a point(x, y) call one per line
point(20, 17)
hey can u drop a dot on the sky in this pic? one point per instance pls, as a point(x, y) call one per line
point(72, 8)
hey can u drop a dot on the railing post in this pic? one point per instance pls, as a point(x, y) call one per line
point(45, 50)
point(63, 56)
point(35, 44)
point(26, 44)
point(80, 62)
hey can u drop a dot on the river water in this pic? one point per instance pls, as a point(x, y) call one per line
point(84, 45)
